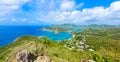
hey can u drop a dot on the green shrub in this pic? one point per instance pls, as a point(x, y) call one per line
point(108, 59)
point(97, 57)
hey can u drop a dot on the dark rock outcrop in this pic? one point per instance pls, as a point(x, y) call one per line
point(25, 56)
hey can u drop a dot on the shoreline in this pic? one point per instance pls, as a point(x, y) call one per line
point(72, 35)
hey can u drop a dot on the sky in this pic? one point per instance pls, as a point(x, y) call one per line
point(42, 12)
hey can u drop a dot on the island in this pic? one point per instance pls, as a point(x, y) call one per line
point(88, 45)
point(55, 29)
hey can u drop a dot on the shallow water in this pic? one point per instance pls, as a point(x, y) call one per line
point(9, 33)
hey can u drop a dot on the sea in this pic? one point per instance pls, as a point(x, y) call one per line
point(9, 33)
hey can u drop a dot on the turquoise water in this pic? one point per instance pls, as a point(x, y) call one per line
point(59, 36)
point(9, 33)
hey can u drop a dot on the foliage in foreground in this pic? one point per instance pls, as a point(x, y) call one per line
point(104, 42)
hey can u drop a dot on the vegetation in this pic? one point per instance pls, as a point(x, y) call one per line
point(101, 41)
point(57, 52)
point(96, 44)
point(56, 29)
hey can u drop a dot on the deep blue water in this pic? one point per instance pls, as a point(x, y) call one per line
point(9, 33)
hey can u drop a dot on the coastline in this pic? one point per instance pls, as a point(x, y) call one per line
point(72, 35)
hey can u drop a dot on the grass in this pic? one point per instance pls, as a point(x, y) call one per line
point(57, 52)
point(105, 42)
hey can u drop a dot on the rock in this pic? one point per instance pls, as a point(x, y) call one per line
point(86, 46)
point(25, 56)
point(80, 50)
point(91, 50)
point(7, 59)
point(77, 43)
point(81, 47)
point(81, 42)
point(90, 60)
point(43, 59)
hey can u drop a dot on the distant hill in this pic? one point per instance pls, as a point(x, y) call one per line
point(99, 43)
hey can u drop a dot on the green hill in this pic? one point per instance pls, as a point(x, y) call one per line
point(90, 44)
point(56, 51)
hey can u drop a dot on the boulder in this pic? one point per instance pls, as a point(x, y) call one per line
point(25, 56)
point(43, 59)
point(84, 60)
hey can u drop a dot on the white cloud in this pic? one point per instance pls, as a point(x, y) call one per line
point(67, 5)
point(24, 19)
point(13, 2)
point(7, 9)
point(70, 5)
point(8, 6)
point(8, 2)
point(60, 11)
point(13, 19)
point(2, 19)
point(99, 15)
point(115, 6)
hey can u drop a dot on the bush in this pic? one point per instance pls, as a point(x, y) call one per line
point(97, 57)
point(108, 59)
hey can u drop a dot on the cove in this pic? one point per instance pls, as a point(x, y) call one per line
point(9, 33)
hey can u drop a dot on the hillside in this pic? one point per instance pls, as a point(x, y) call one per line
point(57, 52)
point(88, 45)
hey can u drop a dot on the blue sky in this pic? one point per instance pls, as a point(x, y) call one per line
point(42, 12)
